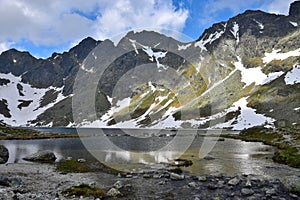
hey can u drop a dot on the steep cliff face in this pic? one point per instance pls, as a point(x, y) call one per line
point(238, 74)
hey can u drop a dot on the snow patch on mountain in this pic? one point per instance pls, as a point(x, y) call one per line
point(255, 75)
point(134, 45)
point(293, 76)
point(212, 37)
point(183, 47)
point(276, 55)
point(87, 70)
point(248, 117)
point(260, 25)
point(235, 31)
point(295, 24)
point(21, 116)
point(155, 55)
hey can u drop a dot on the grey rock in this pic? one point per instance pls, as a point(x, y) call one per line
point(270, 192)
point(212, 186)
point(202, 178)
point(113, 192)
point(176, 177)
point(291, 183)
point(4, 154)
point(192, 184)
point(118, 185)
point(16, 182)
point(248, 183)
point(81, 160)
point(147, 176)
point(41, 156)
point(234, 181)
point(247, 192)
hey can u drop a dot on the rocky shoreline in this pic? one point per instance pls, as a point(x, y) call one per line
point(42, 181)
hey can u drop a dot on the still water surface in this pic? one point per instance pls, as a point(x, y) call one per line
point(228, 157)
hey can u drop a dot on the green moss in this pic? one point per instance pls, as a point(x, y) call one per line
point(85, 191)
point(72, 166)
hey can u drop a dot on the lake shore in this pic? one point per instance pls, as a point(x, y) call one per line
point(32, 181)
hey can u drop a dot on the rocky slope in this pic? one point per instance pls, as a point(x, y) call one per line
point(239, 73)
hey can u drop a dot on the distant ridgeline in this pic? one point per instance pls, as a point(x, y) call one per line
point(252, 61)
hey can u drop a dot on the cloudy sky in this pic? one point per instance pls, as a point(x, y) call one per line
point(44, 26)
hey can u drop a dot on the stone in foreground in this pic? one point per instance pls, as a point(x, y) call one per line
point(3, 154)
point(41, 156)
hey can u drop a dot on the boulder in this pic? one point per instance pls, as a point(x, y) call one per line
point(176, 177)
point(41, 156)
point(4, 154)
point(291, 183)
point(234, 181)
point(113, 192)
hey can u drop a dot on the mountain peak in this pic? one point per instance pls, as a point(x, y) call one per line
point(295, 9)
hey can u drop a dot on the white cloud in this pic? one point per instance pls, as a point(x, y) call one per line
point(54, 22)
point(278, 6)
point(5, 46)
point(214, 8)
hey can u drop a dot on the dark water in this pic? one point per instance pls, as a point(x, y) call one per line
point(131, 149)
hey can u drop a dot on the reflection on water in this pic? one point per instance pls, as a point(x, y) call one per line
point(229, 157)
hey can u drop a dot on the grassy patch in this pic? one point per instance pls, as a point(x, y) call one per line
point(72, 166)
point(85, 191)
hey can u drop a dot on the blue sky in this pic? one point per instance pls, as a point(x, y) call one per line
point(47, 26)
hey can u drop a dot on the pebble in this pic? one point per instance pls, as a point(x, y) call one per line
point(118, 185)
point(234, 181)
point(176, 177)
point(192, 184)
point(247, 192)
point(81, 160)
point(202, 178)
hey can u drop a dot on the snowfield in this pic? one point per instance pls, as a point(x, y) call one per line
point(10, 93)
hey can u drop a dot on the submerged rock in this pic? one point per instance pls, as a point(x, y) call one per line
point(41, 156)
point(4, 154)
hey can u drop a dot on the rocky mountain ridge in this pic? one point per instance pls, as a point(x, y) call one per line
point(238, 74)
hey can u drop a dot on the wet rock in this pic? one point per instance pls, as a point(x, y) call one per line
point(291, 183)
point(4, 154)
point(234, 181)
point(4, 181)
point(208, 158)
point(41, 156)
point(176, 177)
point(247, 192)
point(113, 192)
point(118, 185)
